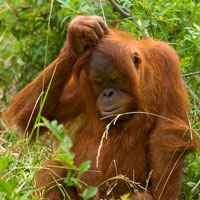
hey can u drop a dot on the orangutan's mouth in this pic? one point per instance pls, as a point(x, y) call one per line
point(112, 110)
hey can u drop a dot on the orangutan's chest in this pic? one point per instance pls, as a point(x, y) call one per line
point(112, 159)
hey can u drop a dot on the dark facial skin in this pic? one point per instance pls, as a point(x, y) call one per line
point(109, 86)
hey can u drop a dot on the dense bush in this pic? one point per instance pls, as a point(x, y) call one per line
point(31, 37)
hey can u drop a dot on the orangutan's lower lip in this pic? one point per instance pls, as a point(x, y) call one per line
point(112, 111)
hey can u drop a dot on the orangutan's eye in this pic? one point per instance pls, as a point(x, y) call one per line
point(113, 79)
point(99, 82)
point(136, 59)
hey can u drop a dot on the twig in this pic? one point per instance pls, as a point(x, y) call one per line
point(125, 12)
point(192, 94)
point(190, 74)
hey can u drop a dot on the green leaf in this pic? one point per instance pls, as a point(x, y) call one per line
point(15, 32)
point(197, 27)
point(83, 167)
point(26, 195)
point(55, 128)
point(191, 184)
point(68, 143)
point(8, 186)
point(34, 198)
point(89, 193)
point(4, 162)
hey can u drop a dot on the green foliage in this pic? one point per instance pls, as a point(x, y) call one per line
point(23, 33)
point(89, 193)
point(191, 183)
point(28, 44)
point(18, 173)
point(17, 170)
point(65, 156)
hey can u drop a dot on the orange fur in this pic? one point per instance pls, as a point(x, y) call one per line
point(145, 142)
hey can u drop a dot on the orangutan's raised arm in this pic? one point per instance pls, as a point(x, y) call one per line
point(82, 32)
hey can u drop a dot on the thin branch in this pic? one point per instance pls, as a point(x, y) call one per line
point(126, 13)
point(190, 74)
point(192, 94)
point(120, 9)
